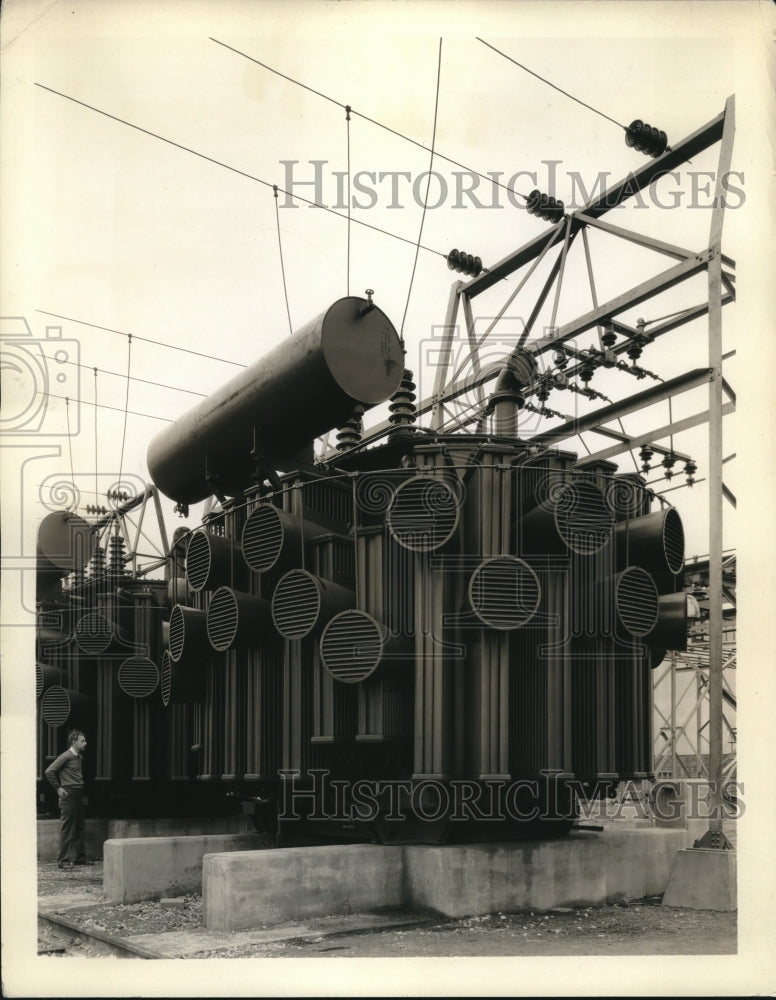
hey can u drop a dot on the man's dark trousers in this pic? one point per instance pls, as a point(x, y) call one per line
point(71, 830)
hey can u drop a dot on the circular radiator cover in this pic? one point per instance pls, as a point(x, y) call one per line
point(352, 646)
point(504, 592)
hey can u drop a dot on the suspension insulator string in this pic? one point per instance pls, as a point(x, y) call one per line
point(638, 135)
point(464, 263)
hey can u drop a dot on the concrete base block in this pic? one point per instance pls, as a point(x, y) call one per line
point(485, 878)
point(100, 830)
point(253, 889)
point(48, 839)
point(703, 880)
point(140, 868)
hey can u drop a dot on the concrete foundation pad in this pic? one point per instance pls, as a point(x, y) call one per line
point(244, 890)
point(141, 868)
point(703, 880)
point(253, 889)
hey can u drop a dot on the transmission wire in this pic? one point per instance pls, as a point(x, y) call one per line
point(282, 268)
point(428, 186)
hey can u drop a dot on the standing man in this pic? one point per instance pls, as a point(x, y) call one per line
point(66, 777)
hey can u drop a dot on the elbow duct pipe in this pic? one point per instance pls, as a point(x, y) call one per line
point(236, 620)
point(274, 538)
point(302, 603)
point(212, 561)
point(188, 635)
point(350, 354)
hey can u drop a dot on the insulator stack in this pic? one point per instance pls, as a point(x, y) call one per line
point(588, 367)
point(634, 351)
point(403, 411)
point(464, 263)
point(350, 433)
point(545, 206)
point(116, 557)
point(97, 567)
point(645, 138)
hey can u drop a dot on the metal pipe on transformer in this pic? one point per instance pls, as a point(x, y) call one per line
point(348, 355)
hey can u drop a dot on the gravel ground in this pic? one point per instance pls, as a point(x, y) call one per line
point(643, 927)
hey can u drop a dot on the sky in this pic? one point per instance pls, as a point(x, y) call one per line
point(109, 230)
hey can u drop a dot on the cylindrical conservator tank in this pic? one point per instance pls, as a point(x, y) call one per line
point(65, 544)
point(307, 385)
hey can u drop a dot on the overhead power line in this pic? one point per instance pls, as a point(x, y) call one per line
point(146, 340)
point(360, 114)
point(234, 170)
point(554, 86)
point(105, 406)
point(428, 184)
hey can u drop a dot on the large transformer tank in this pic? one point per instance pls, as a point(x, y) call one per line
point(438, 636)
